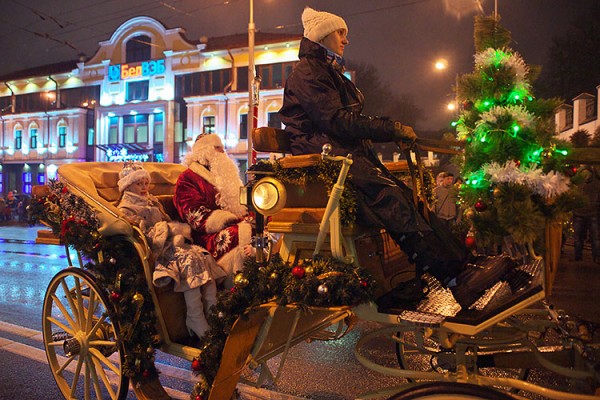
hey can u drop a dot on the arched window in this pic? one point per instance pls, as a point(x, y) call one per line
point(62, 133)
point(138, 48)
point(18, 137)
point(33, 135)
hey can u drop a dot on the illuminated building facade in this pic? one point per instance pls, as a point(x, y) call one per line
point(145, 94)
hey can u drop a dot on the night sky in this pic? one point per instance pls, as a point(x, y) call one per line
point(402, 38)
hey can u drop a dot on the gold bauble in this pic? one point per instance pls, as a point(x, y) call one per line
point(138, 299)
point(241, 281)
point(469, 213)
point(497, 192)
point(309, 270)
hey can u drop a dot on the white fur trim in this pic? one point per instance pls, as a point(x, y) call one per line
point(232, 261)
point(244, 233)
point(203, 172)
point(131, 178)
point(218, 220)
point(318, 24)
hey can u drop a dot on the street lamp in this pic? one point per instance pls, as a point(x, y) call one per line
point(440, 65)
point(252, 97)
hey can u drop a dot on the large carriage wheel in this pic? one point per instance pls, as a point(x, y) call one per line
point(450, 390)
point(418, 353)
point(81, 339)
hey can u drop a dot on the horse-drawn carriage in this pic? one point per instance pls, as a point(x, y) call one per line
point(103, 319)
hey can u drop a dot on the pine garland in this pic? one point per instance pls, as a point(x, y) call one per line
point(325, 172)
point(313, 283)
point(117, 273)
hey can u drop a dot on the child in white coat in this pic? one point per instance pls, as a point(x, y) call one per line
point(191, 267)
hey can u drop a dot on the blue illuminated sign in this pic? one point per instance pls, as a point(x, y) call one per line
point(136, 70)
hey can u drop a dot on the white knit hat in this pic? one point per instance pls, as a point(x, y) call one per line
point(318, 24)
point(131, 173)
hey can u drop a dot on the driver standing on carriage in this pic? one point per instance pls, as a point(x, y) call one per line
point(207, 198)
point(321, 105)
point(191, 268)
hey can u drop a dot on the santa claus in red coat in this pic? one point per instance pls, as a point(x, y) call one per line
point(207, 197)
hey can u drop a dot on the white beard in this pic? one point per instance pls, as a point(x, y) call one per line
point(228, 183)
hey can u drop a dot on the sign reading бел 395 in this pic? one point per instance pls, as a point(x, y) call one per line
point(135, 70)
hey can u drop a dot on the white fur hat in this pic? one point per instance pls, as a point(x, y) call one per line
point(131, 173)
point(318, 24)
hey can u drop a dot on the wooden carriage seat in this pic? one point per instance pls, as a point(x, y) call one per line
point(96, 182)
point(299, 220)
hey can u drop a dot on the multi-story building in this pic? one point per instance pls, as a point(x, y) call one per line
point(582, 115)
point(145, 94)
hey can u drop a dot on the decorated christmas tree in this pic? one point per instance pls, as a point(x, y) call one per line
point(513, 165)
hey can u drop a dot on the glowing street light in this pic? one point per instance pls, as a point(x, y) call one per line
point(441, 64)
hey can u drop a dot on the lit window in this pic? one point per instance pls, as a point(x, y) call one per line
point(208, 124)
point(62, 136)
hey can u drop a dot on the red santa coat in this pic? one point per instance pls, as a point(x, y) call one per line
point(221, 232)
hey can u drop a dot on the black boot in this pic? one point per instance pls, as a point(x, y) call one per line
point(405, 296)
point(476, 278)
point(431, 256)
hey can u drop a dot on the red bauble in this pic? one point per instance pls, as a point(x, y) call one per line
point(470, 242)
point(115, 296)
point(570, 171)
point(196, 365)
point(146, 374)
point(233, 289)
point(298, 272)
point(364, 283)
point(198, 397)
point(480, 206)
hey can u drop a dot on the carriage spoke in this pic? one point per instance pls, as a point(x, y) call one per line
point(87, 388)
point(90, 311)
point(79, 297)
point(104, 378)
point(61, 325)
point(67, 291)
point(65, 365)
point(64, 311)
point(96, 327)
point(105, 360)
point(92, 367)
point(102, 343)
point(76, 377)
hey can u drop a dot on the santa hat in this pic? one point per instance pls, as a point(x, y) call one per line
point(318, 24)
point(203, 146)
point(131, 173)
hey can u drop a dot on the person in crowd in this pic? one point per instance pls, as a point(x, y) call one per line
point(191, 268)
point(587, 217)
point(445, 193)
point(2, 209)
point(322, 106)
point(207, 198)
point(11, 205)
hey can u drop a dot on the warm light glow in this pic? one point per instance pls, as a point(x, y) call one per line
point(451, 106)
point(441, 64)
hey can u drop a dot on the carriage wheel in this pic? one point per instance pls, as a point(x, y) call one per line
point(450, 390)
point(418, 353)
point(81, 339)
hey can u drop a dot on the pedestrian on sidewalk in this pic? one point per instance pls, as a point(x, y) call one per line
point(445, 193)
point(586, 218)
